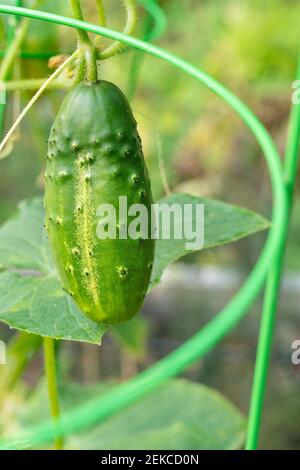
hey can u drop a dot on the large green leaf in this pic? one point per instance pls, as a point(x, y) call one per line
point(179, 415)
point(39, 305)
point(36, 302)
point(223, 223)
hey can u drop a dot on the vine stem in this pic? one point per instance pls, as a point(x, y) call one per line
point(83, 37)
point(101, 13)
point(154, 25)
point(14, 47)
point(35, 84)
point(131, 20)
point(15, 39)
point(20, 350)
point(35, 98)
point(101, 20)
point(51, 376)
point(273, 284)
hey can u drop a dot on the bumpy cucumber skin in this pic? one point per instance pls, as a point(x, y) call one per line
point(95, 156)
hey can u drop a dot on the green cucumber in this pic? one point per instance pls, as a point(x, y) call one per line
point(94, 157)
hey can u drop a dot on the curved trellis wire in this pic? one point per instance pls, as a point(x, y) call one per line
point(204, 340)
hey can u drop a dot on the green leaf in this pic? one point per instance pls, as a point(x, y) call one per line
point(39, 305)
point(179, 415)
point(23, 240)
point(224, 223)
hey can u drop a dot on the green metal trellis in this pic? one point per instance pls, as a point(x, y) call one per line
point(269, 265)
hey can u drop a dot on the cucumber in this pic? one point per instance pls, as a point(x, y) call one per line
point(94, 157)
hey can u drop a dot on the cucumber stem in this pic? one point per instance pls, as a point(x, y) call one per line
point(85, 46)
point(91, 63)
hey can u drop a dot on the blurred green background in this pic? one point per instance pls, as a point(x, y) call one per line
point(251, 46)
